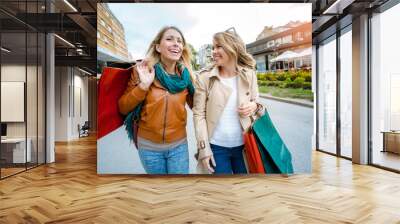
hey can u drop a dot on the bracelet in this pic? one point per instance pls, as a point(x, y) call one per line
point(201, 145)
point(258, 108)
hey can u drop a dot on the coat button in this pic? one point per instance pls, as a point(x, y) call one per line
point(247, 93)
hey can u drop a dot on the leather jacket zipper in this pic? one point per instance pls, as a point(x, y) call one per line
point(165, 116)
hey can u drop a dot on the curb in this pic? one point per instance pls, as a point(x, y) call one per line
point(286, 100)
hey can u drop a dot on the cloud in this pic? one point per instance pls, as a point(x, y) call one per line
point(199, 21)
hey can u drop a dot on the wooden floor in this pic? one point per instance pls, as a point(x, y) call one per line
point(388, 159)
point(70, 191)
point(10, 171)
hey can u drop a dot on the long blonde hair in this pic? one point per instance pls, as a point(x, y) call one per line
point(235, 48)
point(153, 56)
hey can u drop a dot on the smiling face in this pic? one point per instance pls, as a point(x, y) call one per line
point(170, 46)
point(220, 56)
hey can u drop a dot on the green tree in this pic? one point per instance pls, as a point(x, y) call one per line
point(195, 66)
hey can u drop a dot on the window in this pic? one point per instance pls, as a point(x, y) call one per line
point(346, 93)
point(299, 36)
point(102, 22)
point(287, 39)
point(394, 102)
point(22, 65)
point(278, 41)
point(385, 87)
point(327, 95)
point(270, 43)
point(260, 60)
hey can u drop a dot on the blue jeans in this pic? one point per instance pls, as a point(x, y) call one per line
point(171, 161)
point(228, 160)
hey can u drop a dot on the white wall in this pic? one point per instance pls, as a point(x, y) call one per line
point(70, 83)
point(61, 103)
point(33, 126)
point(13, 73)
point(80, 84)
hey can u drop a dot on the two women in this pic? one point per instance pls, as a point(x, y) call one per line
point(223, 103)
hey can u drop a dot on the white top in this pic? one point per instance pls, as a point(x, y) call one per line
point(228, 132)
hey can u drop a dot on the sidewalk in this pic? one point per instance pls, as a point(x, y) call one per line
point(299, 102)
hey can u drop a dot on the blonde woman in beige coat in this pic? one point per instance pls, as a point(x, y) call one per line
point(225, 101)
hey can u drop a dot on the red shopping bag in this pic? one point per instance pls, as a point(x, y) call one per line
point(111, 86)
point(254, 160)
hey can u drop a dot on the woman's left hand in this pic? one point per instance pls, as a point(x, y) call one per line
point(247, 109)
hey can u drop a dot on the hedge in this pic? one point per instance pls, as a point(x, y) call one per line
point(286, 79)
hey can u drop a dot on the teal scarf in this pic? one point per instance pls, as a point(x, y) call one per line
point(172, 82)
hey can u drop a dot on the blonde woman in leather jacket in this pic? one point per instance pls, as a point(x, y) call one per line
point(160, 87)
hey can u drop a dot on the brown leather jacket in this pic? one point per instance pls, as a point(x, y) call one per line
point(163, 115)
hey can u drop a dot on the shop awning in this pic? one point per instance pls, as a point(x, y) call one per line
point(285, 56)
point(306, 52)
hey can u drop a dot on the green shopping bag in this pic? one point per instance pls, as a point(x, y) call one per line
point(268, 163)
point(275, 154)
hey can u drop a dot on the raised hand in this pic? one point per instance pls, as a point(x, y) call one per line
point(146, 75)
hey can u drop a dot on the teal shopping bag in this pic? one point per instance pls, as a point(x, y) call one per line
point(268, 163)
point(272, 147)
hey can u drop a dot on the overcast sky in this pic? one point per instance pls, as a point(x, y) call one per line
point(199, 21)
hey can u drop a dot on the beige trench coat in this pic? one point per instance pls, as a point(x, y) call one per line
point(210, 99)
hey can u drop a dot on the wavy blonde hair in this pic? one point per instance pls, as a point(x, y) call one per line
point(153, 56)
point(235, 48)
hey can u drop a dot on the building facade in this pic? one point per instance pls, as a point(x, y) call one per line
point(294, 37)
point(270, 30)
point(204, 55)
point(111, 43)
